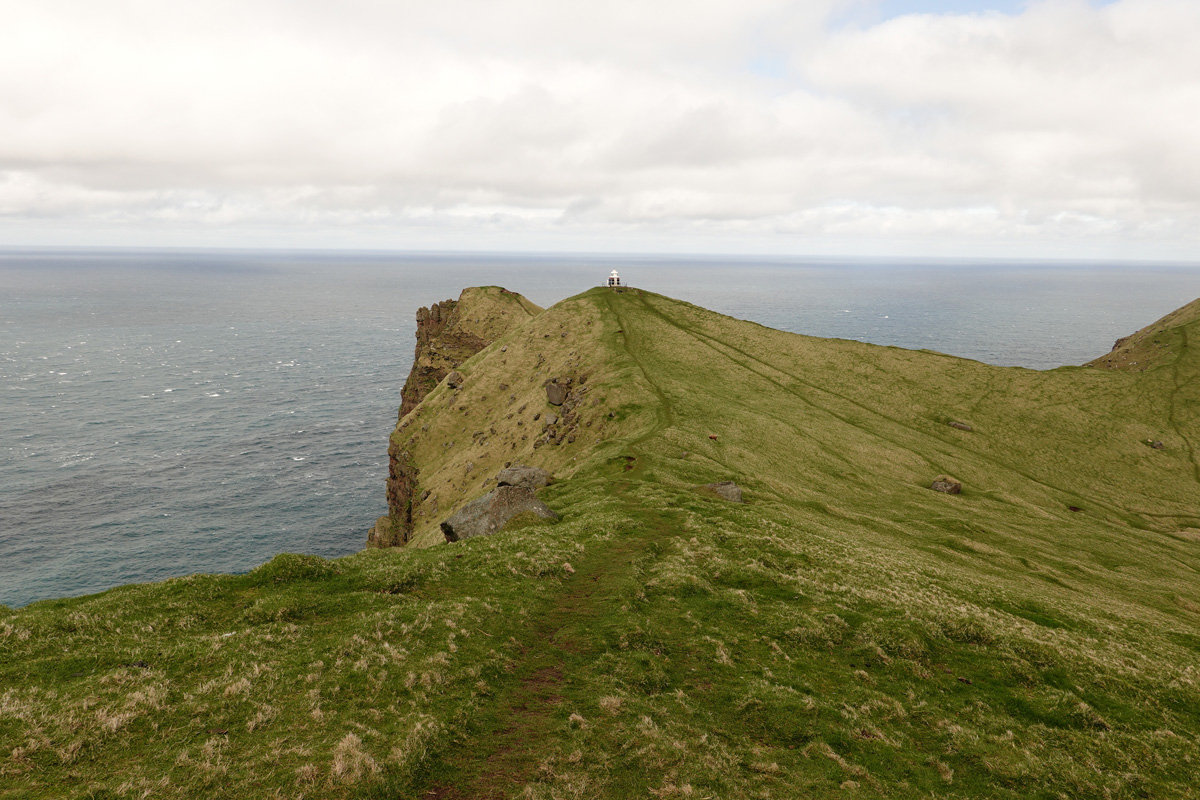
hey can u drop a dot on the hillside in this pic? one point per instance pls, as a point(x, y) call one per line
point(1153, 345)
point(845, 630)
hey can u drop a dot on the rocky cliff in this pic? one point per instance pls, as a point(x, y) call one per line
point(448, 333)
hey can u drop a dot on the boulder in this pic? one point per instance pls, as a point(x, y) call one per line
point(962, 426)
point(486, 515)
point(946, 484)
point(726, 490)
point(455, 379)
point(556, 393)
point(523, 476)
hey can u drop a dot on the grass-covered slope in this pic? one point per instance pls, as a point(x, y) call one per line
point(845, 630)
point(1153, 345)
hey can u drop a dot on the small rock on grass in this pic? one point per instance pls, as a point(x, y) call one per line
point(726, 490)
point(946, 484)
point(523, 476)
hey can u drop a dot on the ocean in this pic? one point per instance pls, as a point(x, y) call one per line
point(164, 413)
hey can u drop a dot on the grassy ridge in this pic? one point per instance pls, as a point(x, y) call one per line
point(844, 630)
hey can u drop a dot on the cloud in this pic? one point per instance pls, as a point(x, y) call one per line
point(764, 124)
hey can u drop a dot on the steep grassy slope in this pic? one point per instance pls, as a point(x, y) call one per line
point(1153, 345)
point(448, 333)
point(845, 630)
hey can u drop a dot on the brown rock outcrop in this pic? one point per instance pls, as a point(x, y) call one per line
point(442, 344)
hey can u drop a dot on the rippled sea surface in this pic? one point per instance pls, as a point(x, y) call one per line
point(163, 413)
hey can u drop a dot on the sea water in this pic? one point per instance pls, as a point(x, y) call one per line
point(164, 413)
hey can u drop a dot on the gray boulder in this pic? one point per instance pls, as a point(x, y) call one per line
point(556, 393)
point(523, 476)
point(962, 426)
point(726, 490)
point(485, 515)
point(455, 379)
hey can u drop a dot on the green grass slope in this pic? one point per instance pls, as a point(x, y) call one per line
point(844, 632)
point(1155, 344)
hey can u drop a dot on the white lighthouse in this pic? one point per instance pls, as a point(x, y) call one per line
point(614, 279)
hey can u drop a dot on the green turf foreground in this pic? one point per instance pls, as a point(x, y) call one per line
point(844, 632)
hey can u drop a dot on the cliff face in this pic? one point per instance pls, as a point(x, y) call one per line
point(448, 333)
point(442, 344)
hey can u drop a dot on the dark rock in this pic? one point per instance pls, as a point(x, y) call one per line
point(556, 393)
point(1157, 445)
point(524, 477)
point(443, 342)
point(726, 490)
point(946, 484)
point(401, 491)
point(455, 379)
point(962, 426)
point(486, 515)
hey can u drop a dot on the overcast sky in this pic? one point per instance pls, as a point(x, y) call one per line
point(906, 127)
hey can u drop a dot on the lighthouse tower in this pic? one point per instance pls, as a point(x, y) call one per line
point(614, 279)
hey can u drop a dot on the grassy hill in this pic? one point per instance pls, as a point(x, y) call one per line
point(846, 631)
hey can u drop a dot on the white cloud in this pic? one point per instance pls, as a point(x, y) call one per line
point(529, 123)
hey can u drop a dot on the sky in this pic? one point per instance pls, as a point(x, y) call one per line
point(1047, 128)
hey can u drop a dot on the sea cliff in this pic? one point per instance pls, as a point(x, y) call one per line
point(943, 578)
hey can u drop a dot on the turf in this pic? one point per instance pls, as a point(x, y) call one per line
point(845, 631)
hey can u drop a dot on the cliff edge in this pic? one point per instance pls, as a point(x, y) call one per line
point(448, 334)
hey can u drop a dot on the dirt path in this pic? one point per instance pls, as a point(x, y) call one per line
point(498, 761)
